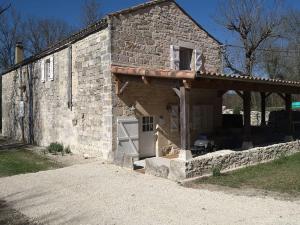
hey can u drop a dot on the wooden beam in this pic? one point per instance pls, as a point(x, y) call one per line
point(288, 108)
point(263, 108)
point(281, 96)
point(184, 118)
point(146, 80)
point(177, 91)
point(187, 84)
point(240, 94)
point(268, 94)
point(121, 87)
point(247, 116)
point(242, 86)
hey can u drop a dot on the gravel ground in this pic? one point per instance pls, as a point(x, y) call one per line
point(97, 193)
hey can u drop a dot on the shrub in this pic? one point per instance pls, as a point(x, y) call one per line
point(55, 148)
point(281, 160)
point(216, 171)
point(68, 150)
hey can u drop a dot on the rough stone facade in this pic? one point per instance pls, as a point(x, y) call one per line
point(143, 38)
point(140, 37)
point(86, 128)
point(228, 160)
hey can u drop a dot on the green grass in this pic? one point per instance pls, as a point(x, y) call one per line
point(13, 162)
point(282, 175)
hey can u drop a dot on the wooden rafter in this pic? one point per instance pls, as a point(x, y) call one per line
point(282, 96)
point(268, 94)
point(120, 87)
point(187, 84)
point(177, 91)
point(240, 94)
point(146, 80)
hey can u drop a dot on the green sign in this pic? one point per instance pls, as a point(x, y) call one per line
point(296, 105)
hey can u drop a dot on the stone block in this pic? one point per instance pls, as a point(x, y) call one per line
point(157, 167)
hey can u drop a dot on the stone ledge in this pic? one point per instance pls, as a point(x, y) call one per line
point(229, 160)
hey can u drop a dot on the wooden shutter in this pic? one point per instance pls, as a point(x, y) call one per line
point(51, 69)
point(174, 57)
point(43, 70)
point(198, 60)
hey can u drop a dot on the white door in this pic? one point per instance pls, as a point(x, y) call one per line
point(147, 136)
point(128, 136)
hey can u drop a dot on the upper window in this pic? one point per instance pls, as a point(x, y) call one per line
point(185, 59)
point(47, 69)
point(182, 58)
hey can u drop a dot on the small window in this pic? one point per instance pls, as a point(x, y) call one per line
point(47, 68)
point(185, 58)
point(147, 123)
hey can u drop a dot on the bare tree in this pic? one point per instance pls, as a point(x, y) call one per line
point(41, 33)
point(253, 23)
point(10, 25)
point(90, 12)
point(283, 59)
point(4, 8)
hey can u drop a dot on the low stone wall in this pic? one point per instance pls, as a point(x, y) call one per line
point(229, 160)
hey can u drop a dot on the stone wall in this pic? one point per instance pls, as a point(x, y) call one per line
point(229, 160)
point(86, 128)
point(143, 37)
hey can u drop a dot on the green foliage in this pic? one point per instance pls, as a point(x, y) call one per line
point(280, 175)
point(55, 148)
point(14, 162)
point(237, 110)
point(216, 171)
point(68, 150)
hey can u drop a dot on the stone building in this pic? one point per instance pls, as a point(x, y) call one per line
point(124, 86)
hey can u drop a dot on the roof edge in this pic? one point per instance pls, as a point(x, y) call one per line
point(98, 26)
point(156, 2)
point(187, 74)
point(191, 18)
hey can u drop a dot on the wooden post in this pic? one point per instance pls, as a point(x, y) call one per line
point(263, 109)
point(288, 108)
point(247, 143)
point(184, 118)
point(185, 153)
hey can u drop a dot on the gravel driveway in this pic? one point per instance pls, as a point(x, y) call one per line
point(97, 193)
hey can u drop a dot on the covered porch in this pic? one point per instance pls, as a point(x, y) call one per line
point(185, 83)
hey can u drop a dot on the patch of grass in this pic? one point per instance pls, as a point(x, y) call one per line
point(14, 162)
point(10, 216)
point(55, 148)
point(216, 171)
point(68, 150)
point(282, 175)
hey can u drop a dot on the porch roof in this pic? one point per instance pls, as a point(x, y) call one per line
point(211, 80)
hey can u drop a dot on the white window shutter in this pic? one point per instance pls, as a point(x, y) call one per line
point(43, 70)
point(198, 60)
point(51, 69)
point(174, 57)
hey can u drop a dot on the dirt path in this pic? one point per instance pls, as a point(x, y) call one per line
point(97, 193)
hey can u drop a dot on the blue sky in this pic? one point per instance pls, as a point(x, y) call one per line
point(202, 11)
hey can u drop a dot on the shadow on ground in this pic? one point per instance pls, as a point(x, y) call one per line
point(9, 216)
